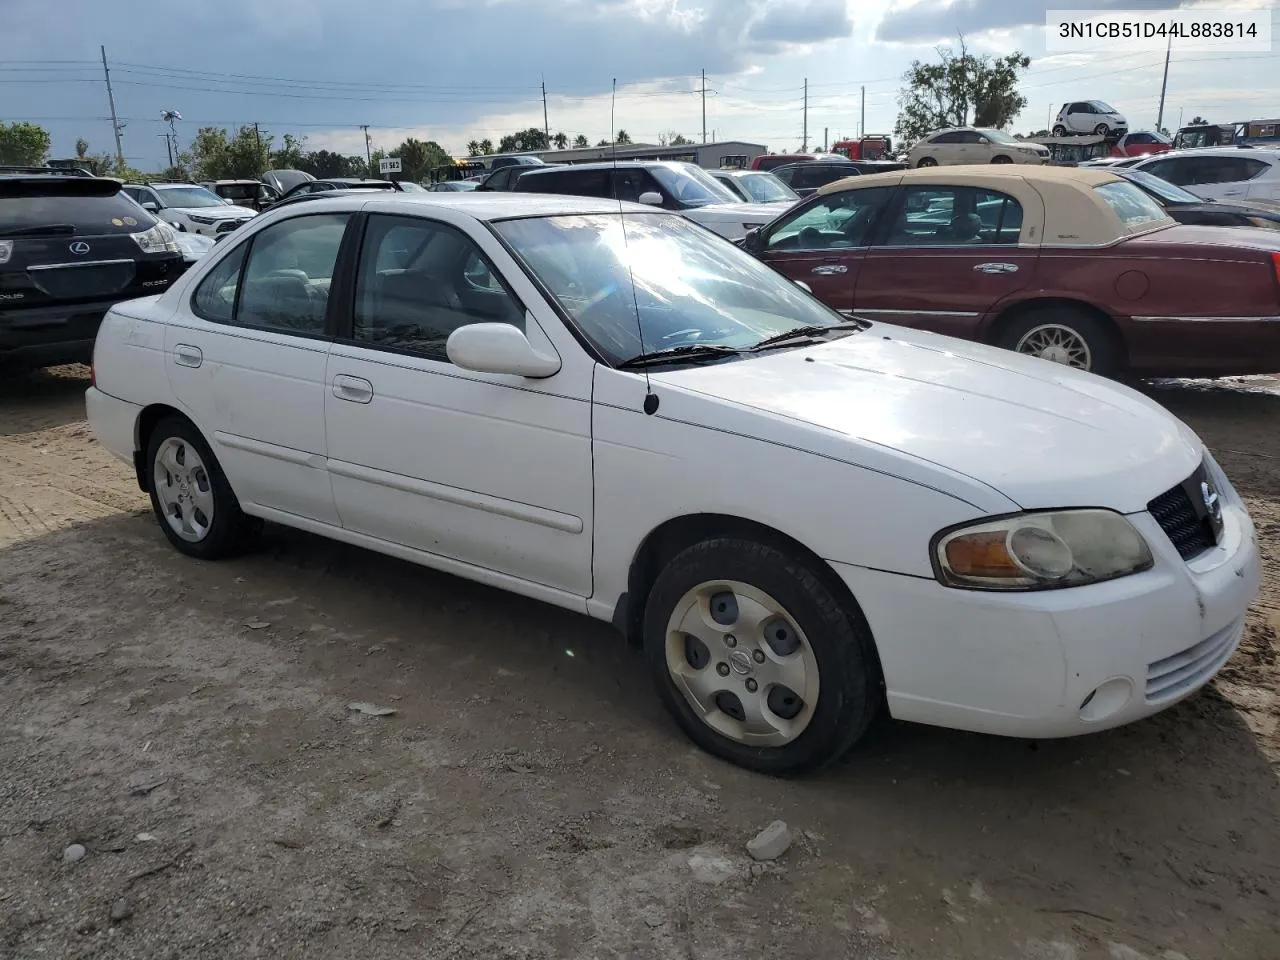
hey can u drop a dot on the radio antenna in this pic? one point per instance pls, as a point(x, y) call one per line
point(650, 398)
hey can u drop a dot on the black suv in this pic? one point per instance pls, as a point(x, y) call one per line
point(505, 177)
point(70, 248)
point(807, 176)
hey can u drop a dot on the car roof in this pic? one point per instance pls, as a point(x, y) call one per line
point(963, 174)
point(486, 207)
point(1270, 153)
point(605, 165)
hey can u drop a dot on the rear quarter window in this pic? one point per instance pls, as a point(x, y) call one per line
point(91, 216)
point(1134, 207)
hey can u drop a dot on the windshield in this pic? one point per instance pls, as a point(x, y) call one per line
point(999, 136)
point(189, 197)
point(691, 287)
point(1103, 107)
point(691, 185)
point(766, 188)
point(1131, 205)
point(1162, 188)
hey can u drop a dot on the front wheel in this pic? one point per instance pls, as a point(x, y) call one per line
point(1059, 131)
point(196, 507)
point(757, 660)
point(1002, 159)
point(1101, 130)
point(1065, 335)
point(926, 162)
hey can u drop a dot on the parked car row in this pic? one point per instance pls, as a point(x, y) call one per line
point(802, 516)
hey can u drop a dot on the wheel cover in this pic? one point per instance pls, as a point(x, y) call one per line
point(752, 654)
point(1057, 343)
point(183, 489)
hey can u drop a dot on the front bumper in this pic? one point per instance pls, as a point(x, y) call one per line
point(1063, 662)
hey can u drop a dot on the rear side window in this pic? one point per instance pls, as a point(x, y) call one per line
point(215, 297)
point(1251, 168)
point(89, 216)
point(574, 183)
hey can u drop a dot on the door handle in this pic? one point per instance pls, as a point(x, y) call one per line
point(996, 268)
point(185, 355)
point(355, 389)
point(827, 269)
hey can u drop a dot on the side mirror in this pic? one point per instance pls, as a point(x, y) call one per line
point(752, 242)
point(651, 198)
point(150, 206)
point(498, 348)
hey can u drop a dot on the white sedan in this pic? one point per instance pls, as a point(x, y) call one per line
point(801, 518)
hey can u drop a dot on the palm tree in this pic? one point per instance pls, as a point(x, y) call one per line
point(473, 148)
point(561, 141)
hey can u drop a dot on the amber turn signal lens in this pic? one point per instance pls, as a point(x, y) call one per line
point(982, 555)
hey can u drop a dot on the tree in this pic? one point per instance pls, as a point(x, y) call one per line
point(325, 163)
point(623, 137)
point(673, 139)
point(561, 140)
point(473, 148)
point(1198, 121)
point(99, 164)
point(486, 147)
point(525, 141)
point(24, 144)
point(961, 86)
point(580, 141)
point(418, 159)
point(289, 156)
point(214, 156)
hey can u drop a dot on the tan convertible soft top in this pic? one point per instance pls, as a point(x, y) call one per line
point(1060, 205)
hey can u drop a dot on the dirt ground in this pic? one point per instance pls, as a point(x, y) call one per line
point(187, 724)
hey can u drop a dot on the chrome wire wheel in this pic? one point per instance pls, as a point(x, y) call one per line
point(183, 489)
point(742, 663)
point(1057, 343)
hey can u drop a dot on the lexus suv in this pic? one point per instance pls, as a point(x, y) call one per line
point(70, 248)
point(190, 207)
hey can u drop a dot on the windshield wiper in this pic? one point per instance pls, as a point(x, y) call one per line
point(807, 333)
point(682, 354)
point(44, 228)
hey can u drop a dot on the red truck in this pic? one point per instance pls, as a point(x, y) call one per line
point(866, 148)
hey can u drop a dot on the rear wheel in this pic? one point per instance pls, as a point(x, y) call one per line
point(926, 162)
point(1059, 131)
point(1066, 335)
point(1002, 159)
point(196, 507)
point(757, 660)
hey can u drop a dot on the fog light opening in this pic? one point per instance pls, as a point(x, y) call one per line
point(1108, 699)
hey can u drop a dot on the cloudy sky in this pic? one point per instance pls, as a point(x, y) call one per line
point(454, 70)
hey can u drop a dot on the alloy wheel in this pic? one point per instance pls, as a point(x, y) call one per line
point(184, 489)
point(1057, 343)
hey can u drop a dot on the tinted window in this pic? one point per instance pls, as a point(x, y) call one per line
point(1130, 204)
point(576, 183)
point(419, 281)
point(840, 220)
point(629, 184)
point(1140, 138)
point(91, 216)
point(785, 174)
point(1172, 170)
point(215, 298)
point(972, 136)
point(951, 216)
point(286, 280)
point(1221, 169)
point(953, 137)
point(1251, 168)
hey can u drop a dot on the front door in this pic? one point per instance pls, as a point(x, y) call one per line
point(823, 242)
point(947, 258)
point(246, 358)
point(488, 470)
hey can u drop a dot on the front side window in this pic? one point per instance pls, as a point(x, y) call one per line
point(951, 216)
point(288, 274)
point(955, 136)
point(419, 280)
point(691, 186)
point(1131, 205)
point(629, 184)
point(838, 220)
point(650, 281)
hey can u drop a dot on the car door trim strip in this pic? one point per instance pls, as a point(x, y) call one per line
point(1275, 319)
point(289, 455)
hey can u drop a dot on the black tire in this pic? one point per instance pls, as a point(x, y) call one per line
point(1101, 130)
point(1059, 131)
point(926, 162)
point(1105, 349)
point(231, 530)
point(1002, 159)
point(850, 686)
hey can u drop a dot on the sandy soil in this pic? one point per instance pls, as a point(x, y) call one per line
point(188, 725)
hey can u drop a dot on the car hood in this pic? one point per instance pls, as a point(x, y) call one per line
point(1258, 205)
point(1041, 434)
point(738, 212)
point(227, 212)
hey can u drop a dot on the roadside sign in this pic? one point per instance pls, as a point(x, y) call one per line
point(389, 165)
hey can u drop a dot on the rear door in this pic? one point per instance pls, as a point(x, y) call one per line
point(822, 242)
point(946, 257)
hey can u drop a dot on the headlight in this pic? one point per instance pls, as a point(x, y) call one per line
point(196, 218)
point(159, 239)
point(1039, 551)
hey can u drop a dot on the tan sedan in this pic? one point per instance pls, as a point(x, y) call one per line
point(974, 145)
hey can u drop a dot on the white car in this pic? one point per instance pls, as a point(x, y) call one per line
point(799, 516)
point(682, 187)
point(974, 145)
point(1089, 117)
point(1219, 173)
point(756, 186)
point(190, 207)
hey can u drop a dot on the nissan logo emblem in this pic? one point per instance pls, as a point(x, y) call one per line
point(79, 247)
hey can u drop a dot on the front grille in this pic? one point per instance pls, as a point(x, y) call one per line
point(1182, 672)
point(1184, 518)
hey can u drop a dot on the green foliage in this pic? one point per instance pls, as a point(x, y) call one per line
point(524, 141)
point(1198, 121)
point(561, 140)
point(99, 164)
point(326, 163)
point(214, 156)
point(673, 139)
point(623, 137)
point(960, 87)
point(290, 154)
point(24, 144)
point(580, 141)
point(418, 158)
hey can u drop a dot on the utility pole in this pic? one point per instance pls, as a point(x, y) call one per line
point(704, 106)
point(257, 136)
point(1164, 84)
point(804, 146)
point(825, 138)
point(862, 124)
point(168, 142)
point(115, 122)
point(546, 124)
point(368, 149)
